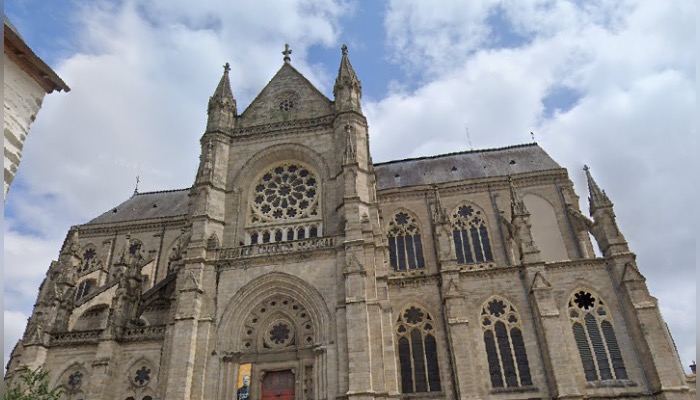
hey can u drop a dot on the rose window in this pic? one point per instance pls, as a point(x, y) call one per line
point(287, 191)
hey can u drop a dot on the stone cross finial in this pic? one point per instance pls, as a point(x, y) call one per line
point(344, 49)
point(227, 67)
point(287, 52)
point(136, 189)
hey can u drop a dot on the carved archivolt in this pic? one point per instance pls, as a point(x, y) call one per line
point(279, 310)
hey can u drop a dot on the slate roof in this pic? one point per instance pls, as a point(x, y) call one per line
point(463, 166)
point(151, 205)
point(392, 174)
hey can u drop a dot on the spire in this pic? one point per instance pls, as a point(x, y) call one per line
point(222, 105)
point(348, 88)
point(596, 197)
point(517, 205)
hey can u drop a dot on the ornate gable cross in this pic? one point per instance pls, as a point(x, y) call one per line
point(287, 52)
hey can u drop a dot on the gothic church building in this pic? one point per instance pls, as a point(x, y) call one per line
point(296, 268)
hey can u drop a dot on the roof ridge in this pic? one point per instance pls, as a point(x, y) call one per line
point(487, 150)
point(163, 191)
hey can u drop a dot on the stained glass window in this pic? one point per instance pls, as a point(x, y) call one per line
point(405, 247)
point(470, 236)
point(417, 351)
point(503, 340)
point(595, 337)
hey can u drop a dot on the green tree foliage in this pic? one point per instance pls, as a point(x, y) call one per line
point(32, 385)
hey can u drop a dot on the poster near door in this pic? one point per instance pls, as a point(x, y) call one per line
point(243, 386)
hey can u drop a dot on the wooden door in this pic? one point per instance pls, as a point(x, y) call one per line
point(278, 385)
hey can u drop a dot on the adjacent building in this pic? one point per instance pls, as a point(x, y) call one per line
point(27, 80)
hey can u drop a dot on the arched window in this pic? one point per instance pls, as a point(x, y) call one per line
point(417, 351)
point(470, 236)
point(84, 288)
point(88, 259)
point(595, 337)
point(285, 195)
point(405, 248)
point(505, 349)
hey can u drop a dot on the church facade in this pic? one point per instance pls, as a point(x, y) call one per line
point(296, 268)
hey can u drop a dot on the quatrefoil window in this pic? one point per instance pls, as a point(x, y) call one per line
point(286, 191)
point(75, 380)
point(143, 376)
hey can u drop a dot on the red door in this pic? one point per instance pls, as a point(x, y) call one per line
point(278, 385)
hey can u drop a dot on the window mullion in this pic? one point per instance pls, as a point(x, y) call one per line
point(512, 353)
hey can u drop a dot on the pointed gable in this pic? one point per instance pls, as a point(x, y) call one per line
point(288, 96)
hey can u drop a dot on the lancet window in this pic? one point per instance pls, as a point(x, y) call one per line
point(595, 337)
point(88, 259)
point(505, 348)
point(471, 236)
point(84, 288)
point(405, 247)
point(417, 346)
point(284, 205)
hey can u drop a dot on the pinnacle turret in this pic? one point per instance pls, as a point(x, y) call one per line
point(222, 105)
point(348, 88)
point(596, 197)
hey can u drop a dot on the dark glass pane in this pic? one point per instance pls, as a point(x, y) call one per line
point(492, 355)
point(290, 234)
point(457, 237)
point(266, 237)
point(431, 359)
point(614, 350)
point(278, 236)
point(476, 241)
point(313, 232)
point(585, 352)
point(598, 347)
point(506, 354)
point(485, 243)
point(392, 252)
point(401, 252)
point(253, 238)
point(406, 370)
point(419, 251)
point(418, 361)
point(521, 357)
point(410, 253)
point(468, 258)
point(301, 233)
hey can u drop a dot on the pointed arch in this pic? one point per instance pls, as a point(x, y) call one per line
point(470, 234)
point(594, 333)
point(73, 380)
point(417, 350)
point(88, 258)
point(503, 340)
point(246, 306)
point(405, 242)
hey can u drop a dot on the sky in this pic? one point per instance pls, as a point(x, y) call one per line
point(610, 84)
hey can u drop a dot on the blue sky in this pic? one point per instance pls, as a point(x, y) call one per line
point(607, 83)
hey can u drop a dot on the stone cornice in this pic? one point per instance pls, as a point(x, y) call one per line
point(473, 186)
point(297, 126)
point(132, 226)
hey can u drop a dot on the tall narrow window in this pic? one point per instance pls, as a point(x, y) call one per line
point(417, 352)
point(84, 288)
point(405, 247)
point(595, 337)
point(505, 349)
point(470, 236)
